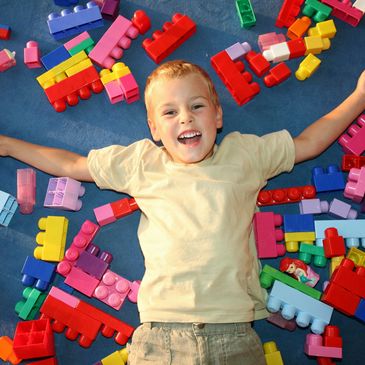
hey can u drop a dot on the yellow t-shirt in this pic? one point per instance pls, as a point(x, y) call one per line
point(195, 224)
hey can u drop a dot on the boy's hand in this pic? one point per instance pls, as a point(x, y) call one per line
point(3, 150)
point(361, 85)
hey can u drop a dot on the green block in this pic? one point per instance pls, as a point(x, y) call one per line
point(87, 45)
point(269, 274)
point(306, 252)
point(28, 308)
point(245, 13)
point(316, 10)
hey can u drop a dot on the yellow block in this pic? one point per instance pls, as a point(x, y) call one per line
point(292, 240)
point(316, 44)
point(272, 355)
point(119, 69)
point(307, 67)
point(116, 358)
point(357, 256)
point(53, 240)
point(47, 78)
point(326, 29)
point(335, 262)
point(79, 67)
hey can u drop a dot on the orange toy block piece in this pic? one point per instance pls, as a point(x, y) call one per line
point(7, 352)
point(53, 240)
point(299, 27)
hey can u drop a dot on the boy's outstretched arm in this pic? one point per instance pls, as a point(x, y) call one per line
point(53, 161)
point(319, 135)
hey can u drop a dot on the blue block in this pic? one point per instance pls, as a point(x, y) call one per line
point(8, 206)
point(76, 20)
point(75, 31)
point(331, 179)
point(37, 272)
point(298, 223)
point(55, 57)
point(360, 311)
point(65, 2)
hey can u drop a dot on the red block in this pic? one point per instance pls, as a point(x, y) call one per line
point(351, 161)
point(257, 63)
point(325, 361)
point(50, 361)
point(233, 76)
point(173, 35)
point(123, 207)
point(288, 12)
point(331, 337)
point(141, 21)
point(333, 244)
point(296, 47)
point(277, 75)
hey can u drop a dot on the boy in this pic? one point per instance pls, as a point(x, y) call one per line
point(200, 290)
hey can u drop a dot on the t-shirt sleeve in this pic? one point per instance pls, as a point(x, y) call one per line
point(114, 167)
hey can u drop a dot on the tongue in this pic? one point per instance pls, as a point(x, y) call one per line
point(190, 140)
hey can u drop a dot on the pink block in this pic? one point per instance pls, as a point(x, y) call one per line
point(64, 297)
point(104, 214)
point(112, 290)
point(313, 206)
point(77, 40)
point(80, 242)
point(32, 55)
point(26, 188)
point(355, 187)
point(7, 60)
point(266, 40)
point(114, 91)
point(111, 44)
point(81, 281)
point(133, 293)
point(314, 347)
point(344, 11)
point(341, 209)
point(354, 141)
point(266, 235)
point(130, 88)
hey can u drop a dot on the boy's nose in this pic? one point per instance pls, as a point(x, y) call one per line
point(186, 118)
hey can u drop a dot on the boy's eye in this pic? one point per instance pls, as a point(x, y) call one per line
point(197, 106)
point(169, 112)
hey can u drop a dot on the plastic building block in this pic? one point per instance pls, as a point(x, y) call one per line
point(331, 179)
point(298, 223)
point(5, 32)
point(82, 42)
point(113, 290)
point(355, 187)
point(129, 88)
point(307, 67)
point(359, 4)
point(353, 141)
point(257, 63)
point(69, 89)
point(333, 244)
point(308, 252)
point(357, 256)
point(264, 41)
point(316, 10)
point(49, 361)
point(313, 206)
point(173, 35)
point(245, 13)
point(34, 339)
point(277, 52)
point(338, 208)
point(65, 2)
point(31, 55)
point(335, 263)
point(299, 27)
point(268, 275)
point(238, 82)
point(70, 23)
point(55, 57)
point(277, 75)
point(81, 281)
point(110, 46)
point(307, 310)
point(278, 320)
point(80, 242)
point(63, 193)
point(316, 44)
point(267, 235)
point(331, 337)
point(116, 358)
point(53, 240)
point(292, 240)
point(350, 161)
point(110, 9)
point(7, 352)
point(288, 12)
point(37, 272)
point(314, 347)
point(238, 50)
point(7, 59)
point(352, 230)
point(8, 206)
point(94, 262)
point(296, 47)
point(344, 11)
point(326, 29)
point(141, 21)
point(28, 308)
point(26, 190)
point(285, 195)
point(272, 354)
point(360, 311)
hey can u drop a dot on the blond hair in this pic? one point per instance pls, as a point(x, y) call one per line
point(176, 69)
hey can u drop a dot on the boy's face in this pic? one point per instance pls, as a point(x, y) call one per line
point(183, 116)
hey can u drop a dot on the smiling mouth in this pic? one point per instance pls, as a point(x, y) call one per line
point(189, 137)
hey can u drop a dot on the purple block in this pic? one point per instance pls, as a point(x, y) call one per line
point(341, 209)
point(94, 262)
point(238, 50)
point(110, 9)
point(313, 206)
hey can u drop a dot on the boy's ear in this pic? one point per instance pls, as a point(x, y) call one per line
point(154, 132)
point(219, 117)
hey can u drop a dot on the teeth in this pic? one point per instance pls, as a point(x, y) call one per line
point(190, 135)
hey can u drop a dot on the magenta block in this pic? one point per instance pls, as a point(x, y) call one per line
point(355, 187)
point(266, 40)
point(313, 206)
point(81, 281)
point(314, 347)
point(26, 189)
point(129, 87)
point(114, 91)
point(341, 209)
point(7, 60)
point(353, 142)
point(104, 214)
point(63, 193)
point(32, 55)
point(238, 50)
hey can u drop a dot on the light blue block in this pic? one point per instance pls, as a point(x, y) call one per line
point(8, 206)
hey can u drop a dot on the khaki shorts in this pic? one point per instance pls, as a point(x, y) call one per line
point(195, 344)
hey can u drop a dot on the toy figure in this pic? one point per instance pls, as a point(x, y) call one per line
point(299, 270)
